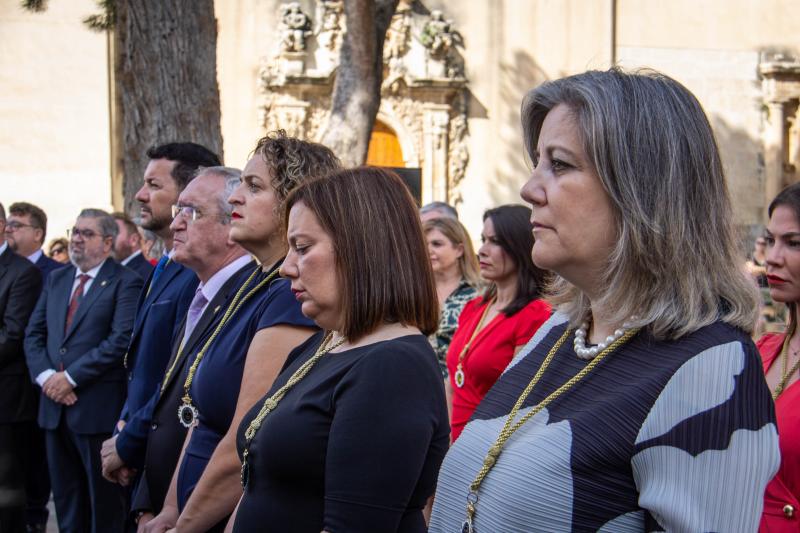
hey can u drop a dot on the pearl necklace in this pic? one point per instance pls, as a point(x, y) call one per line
point(590, 353)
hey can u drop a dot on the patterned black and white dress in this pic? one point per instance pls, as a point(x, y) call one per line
point(661, 436)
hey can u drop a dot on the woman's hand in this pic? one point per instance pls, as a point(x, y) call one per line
point(165, 521)
point(142, 521)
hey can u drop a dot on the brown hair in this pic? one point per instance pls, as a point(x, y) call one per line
point(291, 161)
point(381, 256)
point(38, 216)
point(457, 234)
point(127, 222)
point(788, 197)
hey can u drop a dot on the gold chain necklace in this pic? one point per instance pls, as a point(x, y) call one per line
point(459, 378)
point(187, 412)
point(272, 402)
point(510, 427)
point(785, 372)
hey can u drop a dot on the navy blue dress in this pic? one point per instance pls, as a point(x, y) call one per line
point(353, 447)
point(215, 388)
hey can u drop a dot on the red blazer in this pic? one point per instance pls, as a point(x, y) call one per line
point(784, 489)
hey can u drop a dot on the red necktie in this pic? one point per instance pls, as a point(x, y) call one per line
point(76, 299)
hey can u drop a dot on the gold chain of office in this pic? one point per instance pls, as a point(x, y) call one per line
point(187, 412)
point(272, 401)
point(509, 428)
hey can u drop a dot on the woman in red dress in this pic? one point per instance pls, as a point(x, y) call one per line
point(492, 328)
point(781, 357)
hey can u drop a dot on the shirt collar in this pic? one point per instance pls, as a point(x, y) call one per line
point(3, 247)
point(35, 256)
point(128, 259)
point(215, 282)
point(91, 273)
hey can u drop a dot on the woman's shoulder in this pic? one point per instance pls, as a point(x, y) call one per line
point(768, 341)
point(473, 305)
point(536, 308)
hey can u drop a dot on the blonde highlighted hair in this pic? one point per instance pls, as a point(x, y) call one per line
point(676, 265)
point(457, 234)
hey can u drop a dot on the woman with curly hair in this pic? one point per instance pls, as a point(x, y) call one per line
point(242, 357)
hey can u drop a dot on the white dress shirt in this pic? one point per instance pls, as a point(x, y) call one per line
point(3, 247)
point(128, 259)
point(35, 256)
point(43, 376)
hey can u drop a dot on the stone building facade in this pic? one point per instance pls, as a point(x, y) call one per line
point(455, 74)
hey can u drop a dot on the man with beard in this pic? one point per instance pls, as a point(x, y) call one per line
point(74, 345)
point(128, 246)
point(162, 305)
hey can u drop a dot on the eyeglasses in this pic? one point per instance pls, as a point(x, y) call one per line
point(55, 251)
point(86, 234)
point(189, 213)
point(14, 226)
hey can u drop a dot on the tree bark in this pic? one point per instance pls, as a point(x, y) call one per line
point(357, 87)
point(166, 81)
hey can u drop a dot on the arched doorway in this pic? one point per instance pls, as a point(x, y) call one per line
point(384, 147)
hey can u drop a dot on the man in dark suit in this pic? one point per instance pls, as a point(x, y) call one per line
point(222, 267)
point(128, 246)
point(26, 230)
point(161, 308)
point(20, 285)
point(74, 346)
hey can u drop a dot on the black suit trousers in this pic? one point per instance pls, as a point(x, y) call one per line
point(84, 500)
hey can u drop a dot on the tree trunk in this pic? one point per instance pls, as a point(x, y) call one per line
point(165, 80)
point(357, 88)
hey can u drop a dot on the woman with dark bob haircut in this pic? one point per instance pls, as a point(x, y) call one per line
point(495, 326)
point(352, 433)
point(641, 404)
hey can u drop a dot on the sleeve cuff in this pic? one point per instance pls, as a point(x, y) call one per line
point(69, 378)
point(42, 378)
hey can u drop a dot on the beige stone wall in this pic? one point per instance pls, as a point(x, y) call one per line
point(53, 80)
point(54, 138)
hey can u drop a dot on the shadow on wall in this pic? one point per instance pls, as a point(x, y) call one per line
point(517, 78)
point(743, 160)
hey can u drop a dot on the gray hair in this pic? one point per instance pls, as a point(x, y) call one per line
point(108, 226)
point(232, 177)
point(676, 265)
point(444, 208)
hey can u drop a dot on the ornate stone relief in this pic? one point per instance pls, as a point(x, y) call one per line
point(424, 91)
point(780, 87)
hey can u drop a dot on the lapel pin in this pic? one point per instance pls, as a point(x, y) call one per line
point(103, 283)
point(216, 309)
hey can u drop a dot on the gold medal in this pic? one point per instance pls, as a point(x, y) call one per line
point(187, 414)
point(458, 377)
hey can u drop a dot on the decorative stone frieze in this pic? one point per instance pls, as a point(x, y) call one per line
point(424, 91)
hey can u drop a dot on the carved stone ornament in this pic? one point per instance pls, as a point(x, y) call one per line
point(424, 94)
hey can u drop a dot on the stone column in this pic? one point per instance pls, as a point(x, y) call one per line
point(774, 150)
point(434, 169)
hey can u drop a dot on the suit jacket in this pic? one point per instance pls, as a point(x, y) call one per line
point(167, 435)
point(20, 285)
point(141, 266)
point(47, 265)
point(161, 311)
point(91, 350)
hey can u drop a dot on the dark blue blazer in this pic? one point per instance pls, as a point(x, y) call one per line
point(20, 285)
point(91, 351)
point(141, 266)
point(47, 265)
point(158, 321)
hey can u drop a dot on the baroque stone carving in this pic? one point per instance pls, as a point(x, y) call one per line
point(424, 91)
point(294, 29)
